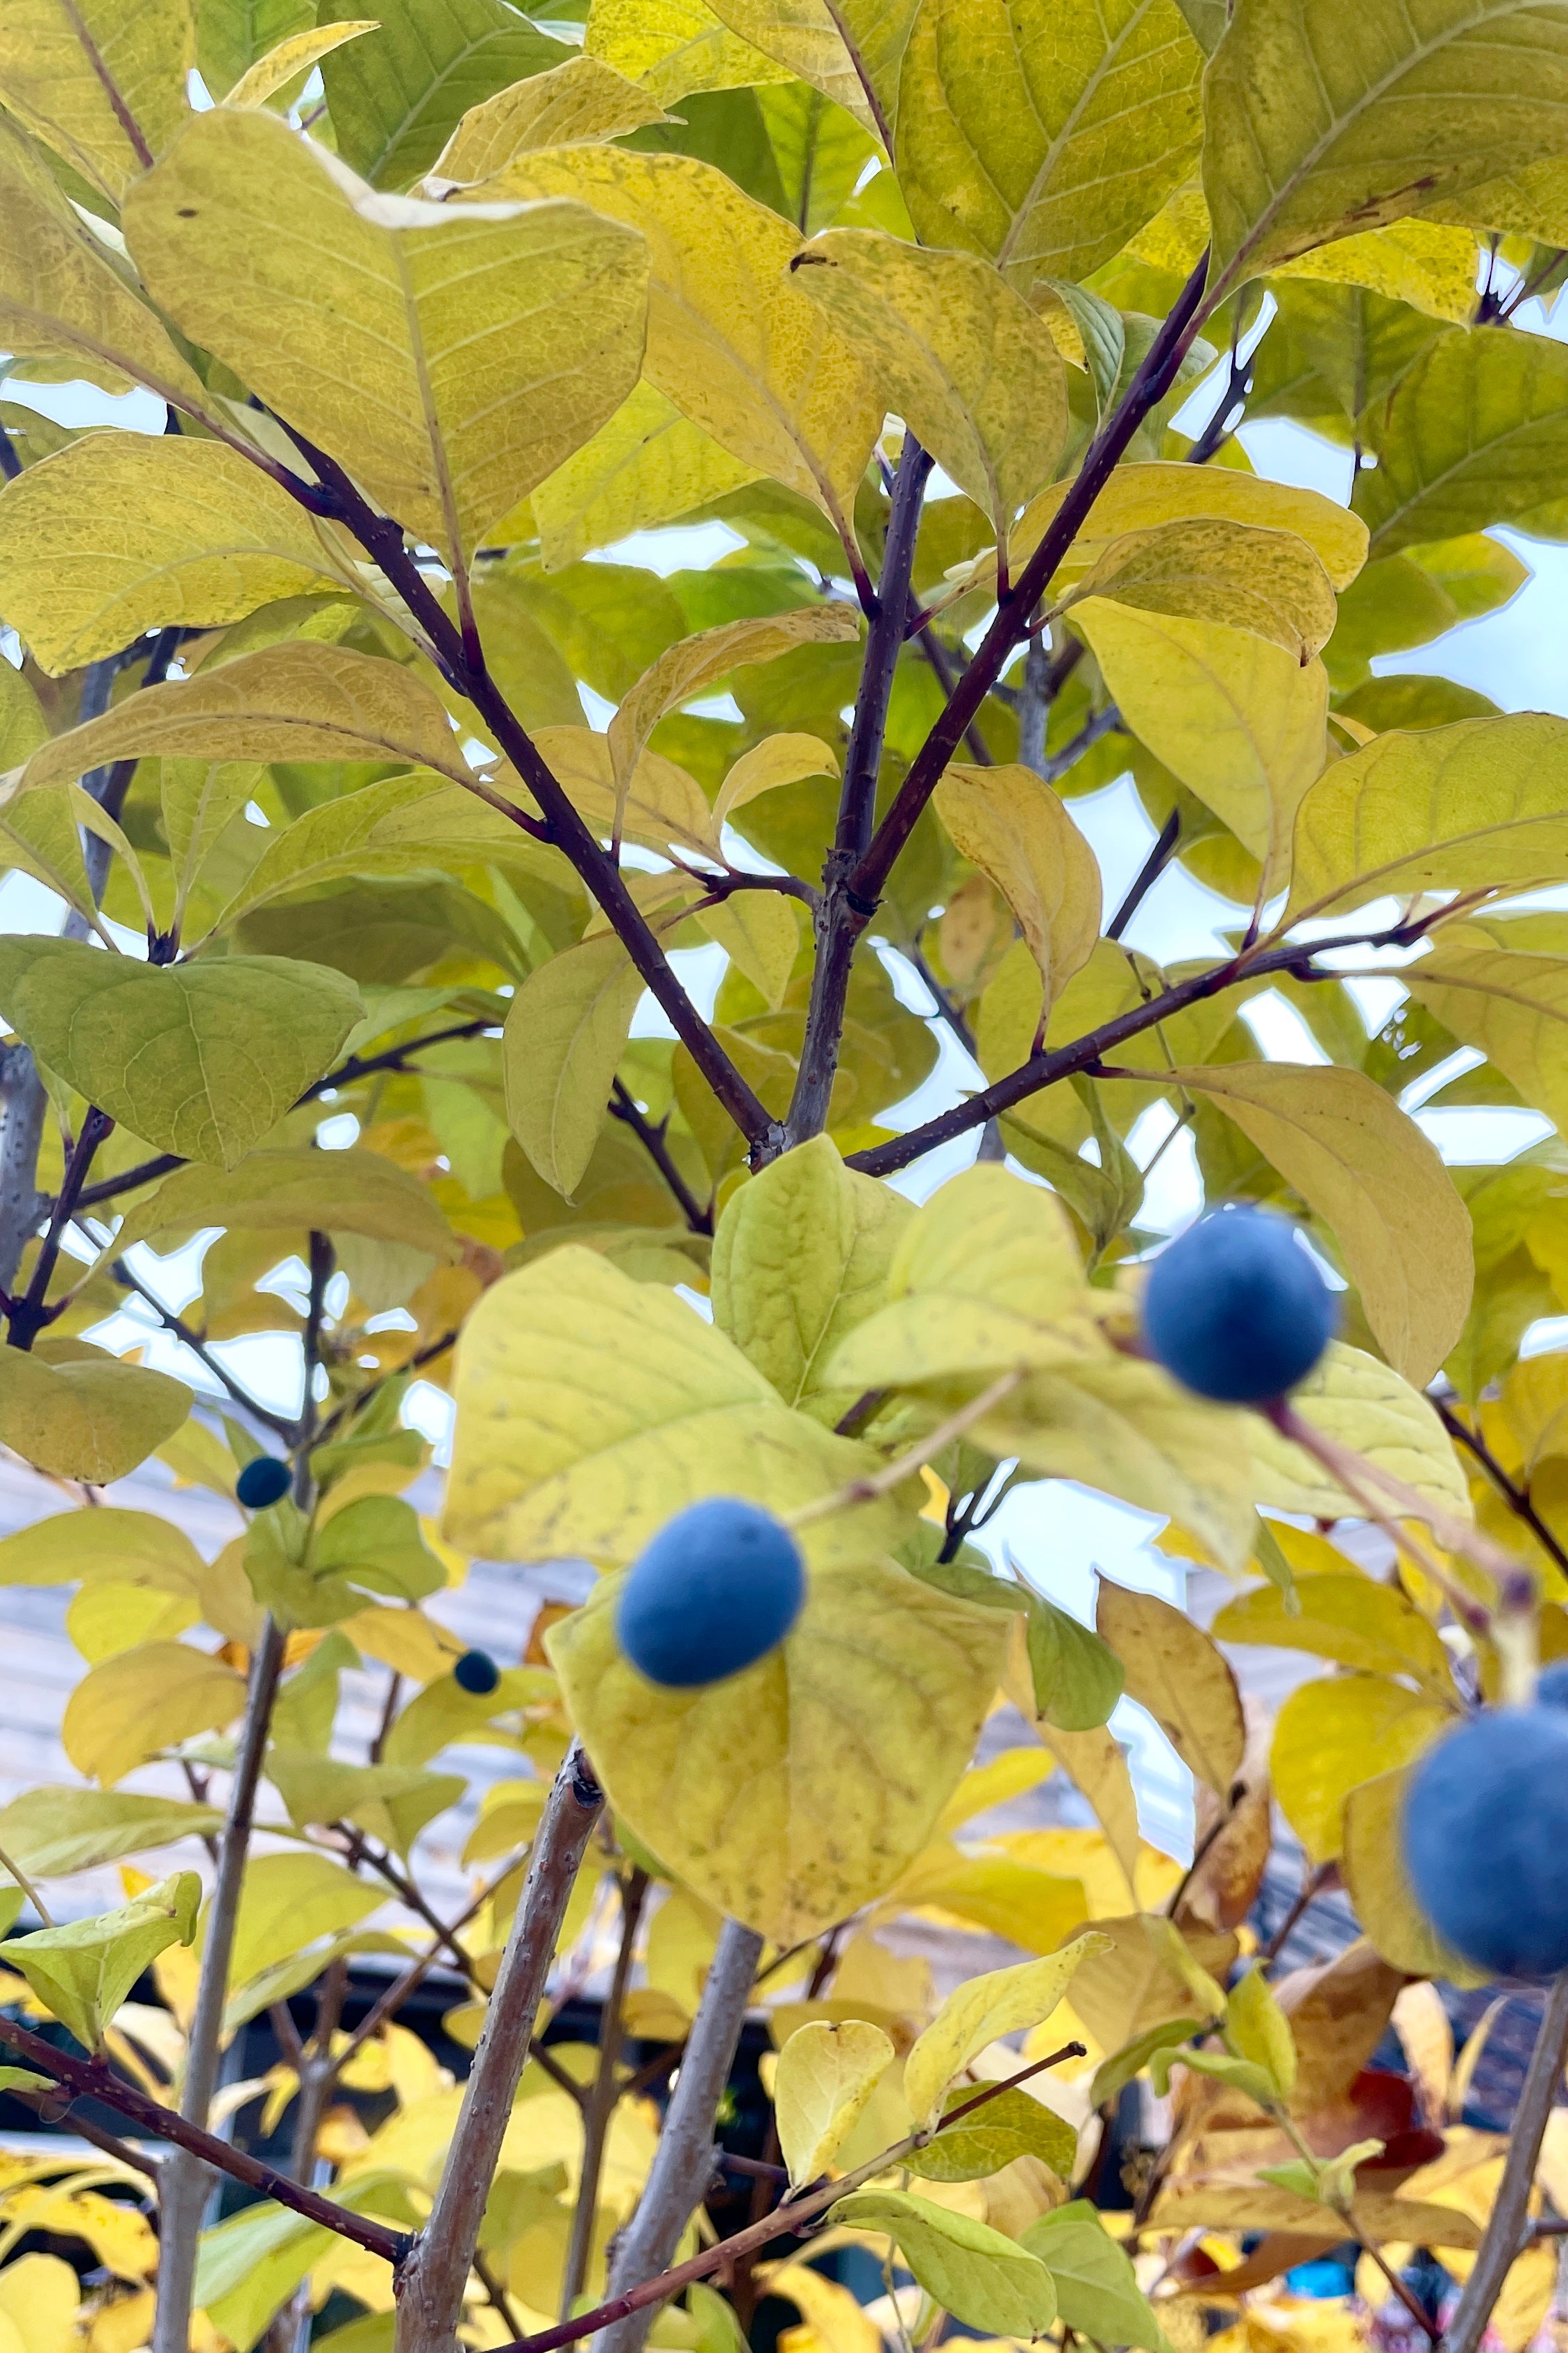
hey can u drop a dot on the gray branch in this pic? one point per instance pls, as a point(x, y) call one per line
point(1506, 2226)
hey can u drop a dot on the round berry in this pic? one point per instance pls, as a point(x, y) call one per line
point(476, 1672)
point(263, 1480)
point(718, 1589)
point(1236, 1308)
point(1552, 1689)
point(1485, 1831)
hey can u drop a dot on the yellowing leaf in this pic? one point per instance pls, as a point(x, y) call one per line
point(84, 1414)
point(1332, 1735)
point(807, 38)
point(1514, 1006)
point(689, 668)
point(352, 1192)
point(1176, 1672)
point(1348, 1619)
point(732, 340)
point(791, 1794)
point(1016, 831)
point(142, 1701)
point(961, 358)
point(101, 81)
point(591, 1408)
point(1270, 582)
point(200, 1059)
point(1475, 434)
point(54, 1830)
point(1363, 1403)
point(83, 1971)
point(1043, 135)
point(1309, 140)
point(288, 1901)
point(675, 46)
point(298, 701)
point(800, 1258)
point(583, 100)
point(293, 56)
point(760, 934)
point(118, 533)
point(663, 805)
point(451, 355)
point(648, 464)
point(140, 1546)
point(1416, 261)
point(984, 2279)
point(1141, 497)
point(999, 2003)
point(1374, 1868)
point(776, 760)
point(827, 2073)
point(1371, 1174)
point(397, 97)
point(1238, 720)
point(564, 1036)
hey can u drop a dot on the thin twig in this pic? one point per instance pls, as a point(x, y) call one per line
point(605, 2093)
point(1517, 1498)
point(623, 1106)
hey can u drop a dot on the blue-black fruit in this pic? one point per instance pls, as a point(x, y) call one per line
point(476, 1672)
point(263, 1480)
point(719, 1587)
point(1485, 1833)
point(1552, 1689)
point(1236, 1308)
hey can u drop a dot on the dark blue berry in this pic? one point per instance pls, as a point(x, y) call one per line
point(476, 1672)
point(1552, 1689)
point(262, 1481)
point(1236, 1308)
point(718, 1589)
point(1485, 1833)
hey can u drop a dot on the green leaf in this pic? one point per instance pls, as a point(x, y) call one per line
point(1476, 433)
point(984, 2280)
point(1077, 1677)
point(102, 82)
point(82, 1972)
point(1134, 2056)
point(1514, 1006)
point(52, 1831)
point(1011, 2126)
point(591, 1408)
point(960, 355)
point(982, 2009)
point(581, 99)
point(1309, 137)
point(352, 1192)
point(289, 1900)
point(1238, 2074)
point(800, 1258)
point(1255, 2028)
point(1007, 117)
point(200, 1059)
point(73, 1411)
point(393, 1802)
point(381, 327)
point(1370, 1173)
point(563, 1040)
point(397, 97)
point(790, 1794)
point(1097, 2291)
point(120, 532)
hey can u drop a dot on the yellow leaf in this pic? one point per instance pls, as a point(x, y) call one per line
point(1140, 497)
point(1353, 1398)
point(591, 1408)
point(960, 355)
point(999, 2003)
point(776, 760)
point(1257, 2030)
point(1239, 721)
point(108, 1616)
point(289, 1900)
point(119, 533)
point(1041, 135)
point(1416, 261)
point(292, 57)
point(563, 1038)
point(998, 1893)
point(1176, 1672)
point(1148, 1974)
point(54, 1830)
point(101, 81)
point(352, 1192)
point(141, 1547)
point(39, 2295)
point(1347, 1617)
point(73, 1411)
point(796, 1791)
point(693, 664)
point(1514, 1006)
point(1374, 1870)
point(808, 37)
point(675, 46)
point(1370, 1173)
point(732, 340)
point(835, 2321)
point(131, 1706)
point(759, 932)
point(1018, 831)
point(1336, 1733)
point(1269, 582)
point(1007, 1776)
point(648, 464)
point(827, 2073)
point(298, 702)
point(451, 355)
point(1305, 144)
point(583, 100)
point(663, 806)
